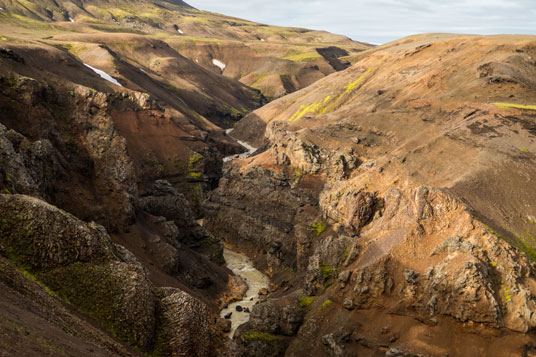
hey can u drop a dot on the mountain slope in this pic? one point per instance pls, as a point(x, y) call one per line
point(397, 206)
point(278, 60)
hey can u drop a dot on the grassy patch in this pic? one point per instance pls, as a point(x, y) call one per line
point(306, 301)
point(314, 108)
point(514, 106)
point(325, 305)
point(327, 271)
point(262, 336)
point(355, 84)
point(329, 101)
point(303, 56)
point(192, 161)
point(318, 227)
point(297, 176)
point(507, 296)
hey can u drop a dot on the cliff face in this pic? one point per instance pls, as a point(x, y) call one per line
point(392, 199)
point(112, 132)
point(390, 202)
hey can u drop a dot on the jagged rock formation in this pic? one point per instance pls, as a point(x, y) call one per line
point(390, 202)
point(79, 263)
point(380, 202)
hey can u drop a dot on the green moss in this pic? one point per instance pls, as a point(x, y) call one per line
point(525, 243)
point(507, 296)
point(94, 291)
point(195, 192)
point(318, 227)
point(192, 161)
point(299, 56)
point(355, 84)
point(314, 108)
point(327, 271)
point(306, 301)
point(325, 305)
point(262, 336)
point(297, 176)
point(514, 106)
point(33, 278)
point(345, 255)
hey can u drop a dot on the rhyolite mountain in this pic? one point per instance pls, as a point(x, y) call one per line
point(390, 201)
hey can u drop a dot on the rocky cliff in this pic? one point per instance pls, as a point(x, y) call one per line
point(391, 202)
point(390, 199)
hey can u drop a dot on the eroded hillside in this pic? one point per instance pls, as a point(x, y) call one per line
point(112, 131)
point(393, 203)
point(390, 201)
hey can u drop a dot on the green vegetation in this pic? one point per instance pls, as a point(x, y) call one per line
point(355, 84)
point(327, 271)
point(306, 301)
point(318, 227)
point(525, 244)
point(329, 102)
point(507, 295)
point(298, 56)
point(192, 161)
point(325, 305)
point(297, 176)
point(262, 336)
point(95, 291)
point(524, 150)
point(514, 106)
point(33, 278)
point(315, 108)
point(494, 265)
point(195, 192)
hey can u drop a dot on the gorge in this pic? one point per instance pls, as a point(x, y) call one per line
point(161, 165)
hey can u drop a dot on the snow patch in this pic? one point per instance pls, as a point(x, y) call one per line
point(262, 39)
point(71, 19)
point(180, 31)
point(2, 9)
point(104, 75)
point(219, 64)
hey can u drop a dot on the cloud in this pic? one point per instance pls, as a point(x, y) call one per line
point(380, 21)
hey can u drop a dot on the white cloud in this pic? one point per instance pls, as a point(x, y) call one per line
point(379, 21)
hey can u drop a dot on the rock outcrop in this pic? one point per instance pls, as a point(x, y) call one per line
point(396, 216)
point(79, 263)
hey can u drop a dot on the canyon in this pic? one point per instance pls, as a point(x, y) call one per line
point(175, 182)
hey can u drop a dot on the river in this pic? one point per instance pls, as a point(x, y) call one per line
point(242, 266)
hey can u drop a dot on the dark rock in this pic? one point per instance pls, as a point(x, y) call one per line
point(239, 308)
point(228, 316)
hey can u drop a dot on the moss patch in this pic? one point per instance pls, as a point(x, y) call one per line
point(318, 227)
point(94, 290)
point(514, 106)
point(262, 336)
point(306, 301)
point(325, 305)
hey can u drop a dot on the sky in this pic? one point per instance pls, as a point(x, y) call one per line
point(381, 21)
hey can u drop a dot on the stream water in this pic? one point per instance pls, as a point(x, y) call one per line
point(250, 150)
point(243, 267)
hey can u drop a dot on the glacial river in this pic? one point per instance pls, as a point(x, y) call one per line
point(243, 267)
